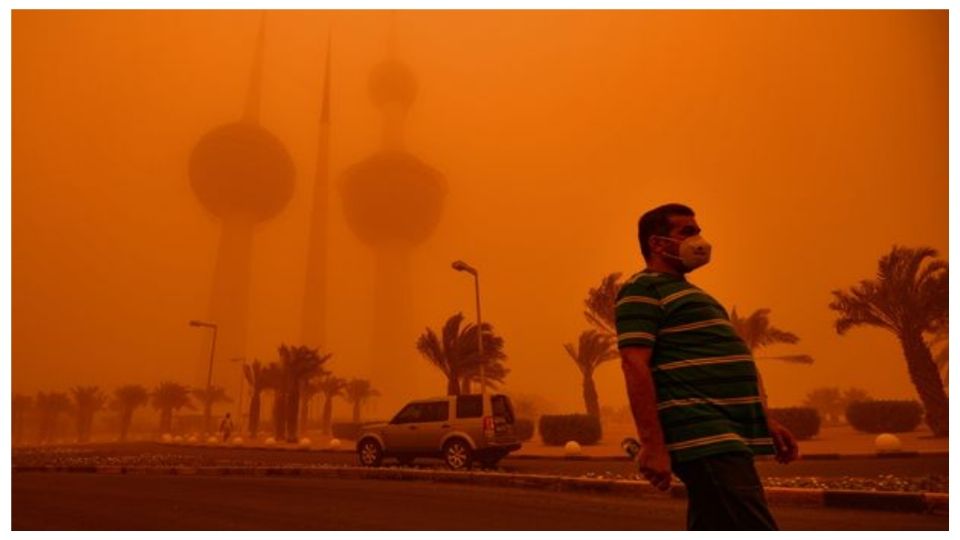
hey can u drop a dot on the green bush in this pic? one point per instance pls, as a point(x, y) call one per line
point(523, 427)
point(884, 416)
point(557, 429)
point(803, 422)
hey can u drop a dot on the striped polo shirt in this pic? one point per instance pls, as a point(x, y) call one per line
point(708, 397)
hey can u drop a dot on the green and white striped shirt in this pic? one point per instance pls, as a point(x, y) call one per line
point(708, 397)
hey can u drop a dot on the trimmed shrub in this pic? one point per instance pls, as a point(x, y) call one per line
point(523, 427)
point(803, 422)
point(884, 416)
point(557, 429)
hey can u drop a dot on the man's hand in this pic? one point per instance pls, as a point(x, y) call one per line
point(783, 442)
point(654, 465)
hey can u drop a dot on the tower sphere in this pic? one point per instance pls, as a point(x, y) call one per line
point(392, 82)
point(392, 199)
point(241, 170)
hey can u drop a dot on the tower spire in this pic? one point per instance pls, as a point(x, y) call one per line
point(251, 111)
point(314, 310)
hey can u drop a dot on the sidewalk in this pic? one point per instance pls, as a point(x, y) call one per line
point(842, 440)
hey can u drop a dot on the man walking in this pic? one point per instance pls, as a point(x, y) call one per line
point(696, 396)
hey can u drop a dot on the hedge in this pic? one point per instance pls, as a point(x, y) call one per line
point(523, 428)
point(803, 422)
point(557, 429)
point(884, 416)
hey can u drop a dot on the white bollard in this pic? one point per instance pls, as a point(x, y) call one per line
point(305, 441)
point(166, 437)
point(192, 439)
point(212, 440)
point(270, 441)
point(334, 444)
point(572, 448)
point(887, 442)
point(177, 438)
point(238, 440)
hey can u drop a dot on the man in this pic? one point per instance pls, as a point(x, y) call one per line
point(696, 396)
point(226, 427)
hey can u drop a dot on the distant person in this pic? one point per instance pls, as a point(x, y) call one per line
point(696, 395)
point(226, 427)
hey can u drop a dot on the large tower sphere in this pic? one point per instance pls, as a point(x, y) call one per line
point(240, 170)
point(392, 82)
point(393, 199)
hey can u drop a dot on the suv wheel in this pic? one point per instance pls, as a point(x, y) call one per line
point(457, 454)
point(369, 453)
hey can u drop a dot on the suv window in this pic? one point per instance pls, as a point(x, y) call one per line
point(436, 411)
point(501, 407)
point(413, 412)
point(469, 406)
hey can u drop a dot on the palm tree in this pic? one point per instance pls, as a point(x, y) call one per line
point(601, 304)
point(827, 401)
point(51, 406)
point(757, 333)
point(331, 387)
point(20, 407)
point(359, 391)
point(594, 349)
point(87, 400)
point(209, 398)
point(255, 375)
point(126, 400)
point(167, 398)
point(275, 380)
point(454, 353)
point(299, 364)
point(908, 298)
point(308, 390)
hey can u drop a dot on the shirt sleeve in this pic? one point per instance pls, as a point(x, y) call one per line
point(639, 315)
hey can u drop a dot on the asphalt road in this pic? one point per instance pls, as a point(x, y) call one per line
point(49, 501)
point(147, 453)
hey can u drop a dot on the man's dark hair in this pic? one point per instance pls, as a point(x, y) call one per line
point(657, 222)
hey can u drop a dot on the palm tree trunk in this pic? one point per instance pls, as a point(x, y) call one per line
point(926, 378)
point(327, 414)
point(126, 417)
point(590, 399)
point(465, 385)
point(279, 418)
point(254, 421)
point(356, 410)
point(453, 389)
point(304, 410)
point(293, 407)
point(166, 419)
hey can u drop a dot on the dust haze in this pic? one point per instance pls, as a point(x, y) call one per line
point(808, 143)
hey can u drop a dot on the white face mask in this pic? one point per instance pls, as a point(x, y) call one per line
point(694, 252)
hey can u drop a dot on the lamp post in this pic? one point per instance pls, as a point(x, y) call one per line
point(243, 362)
point(213, 347)
point(461, 266)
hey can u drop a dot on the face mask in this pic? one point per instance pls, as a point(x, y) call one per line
point(694, 252)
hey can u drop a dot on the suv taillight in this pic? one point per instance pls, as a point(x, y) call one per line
point(488, 427)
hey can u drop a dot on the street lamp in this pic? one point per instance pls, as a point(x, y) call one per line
point(461, 266)
point(213, 347)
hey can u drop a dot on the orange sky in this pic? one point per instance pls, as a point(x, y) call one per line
point(808, 143)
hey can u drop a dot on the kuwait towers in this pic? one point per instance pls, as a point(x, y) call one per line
point(244, 176)
point(392, 201)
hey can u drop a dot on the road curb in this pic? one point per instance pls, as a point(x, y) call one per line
point(348, 449)
point(936, 503)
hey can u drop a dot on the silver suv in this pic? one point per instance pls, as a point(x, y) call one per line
point(456, 429)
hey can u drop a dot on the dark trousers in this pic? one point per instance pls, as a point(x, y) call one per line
point(724, 493)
